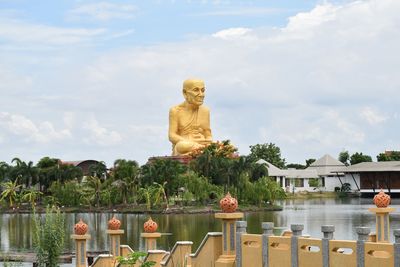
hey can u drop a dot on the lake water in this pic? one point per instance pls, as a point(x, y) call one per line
point(345, 214)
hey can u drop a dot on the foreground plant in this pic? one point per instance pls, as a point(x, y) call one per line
point(133, 258)
point(48, 236)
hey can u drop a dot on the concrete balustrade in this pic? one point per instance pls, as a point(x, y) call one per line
point(267, 250)
point(234, 247)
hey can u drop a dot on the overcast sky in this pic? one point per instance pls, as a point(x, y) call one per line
point(95, 79)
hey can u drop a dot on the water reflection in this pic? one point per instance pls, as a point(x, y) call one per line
point(345, 214)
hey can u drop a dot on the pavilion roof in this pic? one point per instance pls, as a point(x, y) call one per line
point(381, 166)
point(327, 165)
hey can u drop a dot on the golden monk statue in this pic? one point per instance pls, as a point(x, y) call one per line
point(189, 122)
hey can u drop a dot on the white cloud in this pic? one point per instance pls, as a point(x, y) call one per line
point(100, 135)
point(232, 33)
point(242, 11)
point(20, 126)
point(372, 116)
point(19, 32)
point(104, 11)
point(301, 86)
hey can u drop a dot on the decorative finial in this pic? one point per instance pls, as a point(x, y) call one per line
point(114, 223)
point(150, 226)
point(80, 228)
point(228, 204)
point(381, 200)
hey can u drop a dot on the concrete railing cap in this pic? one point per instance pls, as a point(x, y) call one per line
point(363, 230)
point(296, 227)
point(327, 228)
point(267, 225)
point(241, 224)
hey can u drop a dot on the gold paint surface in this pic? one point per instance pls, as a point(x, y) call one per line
point(189, 122)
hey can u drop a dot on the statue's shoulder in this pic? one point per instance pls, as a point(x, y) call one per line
point(176, 109)
point(204, 109)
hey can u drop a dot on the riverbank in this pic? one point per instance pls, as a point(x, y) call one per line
point(142, 209)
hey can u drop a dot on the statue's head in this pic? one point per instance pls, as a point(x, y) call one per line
point(193, 91)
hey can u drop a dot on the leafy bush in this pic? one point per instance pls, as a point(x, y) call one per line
point(48, 236)
point(133, 258)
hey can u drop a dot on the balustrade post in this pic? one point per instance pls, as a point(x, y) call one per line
point(241, 228)
point(80, 237)
point(297, 230)
point(115, 236)
point(268, 228)
point(150, 235)
point(363, 233)
point(328, 231)
point(229, 217)
point(396, 247)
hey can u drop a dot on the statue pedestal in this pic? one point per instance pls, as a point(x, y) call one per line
point(80, 248)
point(227, 259)
point(382, 223)
point(150, 240)
point(115, 244)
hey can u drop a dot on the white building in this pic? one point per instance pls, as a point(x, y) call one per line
point(331, 173)
point(325, 174)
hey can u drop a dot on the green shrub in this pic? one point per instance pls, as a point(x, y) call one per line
point(48, 236)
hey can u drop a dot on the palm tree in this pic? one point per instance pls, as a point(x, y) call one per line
point(94, 187)
point(10, 191)
point(4, 169)
point(160, 194)
point(99, 170)
point(126, 176)
point(31, 195)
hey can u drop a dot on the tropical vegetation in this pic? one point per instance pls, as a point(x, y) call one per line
point(162, 182)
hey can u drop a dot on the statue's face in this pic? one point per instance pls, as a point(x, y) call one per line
point(194, 93)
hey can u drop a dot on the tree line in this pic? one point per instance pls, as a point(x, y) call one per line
point(156, 184)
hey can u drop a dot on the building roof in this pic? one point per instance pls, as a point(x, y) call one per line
point(290, 173)
point(327, 165)
point(78, 162)
point(381, 166)
point(295, 173)
point(272, 169)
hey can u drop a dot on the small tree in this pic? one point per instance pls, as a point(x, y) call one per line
point(344, 157)
point(48, 236)
point(269, 152)
point(135, 258)
point(359, 157)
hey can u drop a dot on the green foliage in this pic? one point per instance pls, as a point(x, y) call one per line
point(269, 152)
point(10, 192)
point(314, 182)
point(345, 187)
point(295, 166)
point(359, 157)
point(133, 258)
point(67, 194)
point(199, 187)
point(163, 171)
point(344, 157)
point(48, 237)
point(263, 190)
point(309, 162)
point(31, 195)
point(389, 156)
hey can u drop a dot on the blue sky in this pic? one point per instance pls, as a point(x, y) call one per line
point(95, 79)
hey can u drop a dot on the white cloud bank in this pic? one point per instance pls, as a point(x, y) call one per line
point(315, 86)
point(103, 11)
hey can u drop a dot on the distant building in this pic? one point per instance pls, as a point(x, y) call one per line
point(83, 164)
point(376, 175)
point(328, 170)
